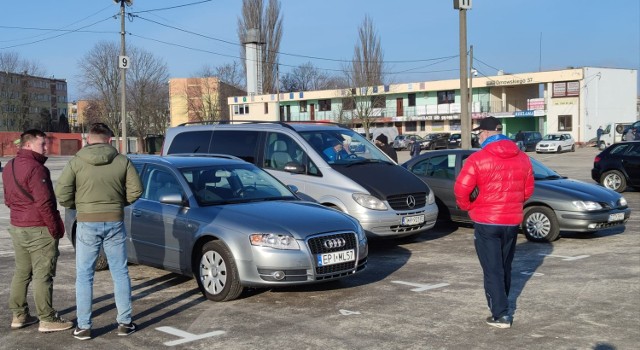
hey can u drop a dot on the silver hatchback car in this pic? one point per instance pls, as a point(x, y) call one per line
point(232, 225)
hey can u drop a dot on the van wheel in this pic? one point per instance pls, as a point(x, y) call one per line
point(540, 224)
point(217, 273)
point(614, 180)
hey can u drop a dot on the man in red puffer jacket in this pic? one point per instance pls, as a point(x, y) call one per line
point(36, 227)
point(493, 185)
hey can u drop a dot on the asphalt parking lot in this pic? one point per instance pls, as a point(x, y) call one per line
point(581, 292)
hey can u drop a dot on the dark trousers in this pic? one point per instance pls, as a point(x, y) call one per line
point(496, 246)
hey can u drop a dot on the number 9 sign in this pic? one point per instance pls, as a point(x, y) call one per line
point(123, 62)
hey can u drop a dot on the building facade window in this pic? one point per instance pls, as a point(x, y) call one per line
point(410, 126)
point(566, 89)
point(266, 108)
point(564, 123)
point(325, 105)
point(448, 96)
point(303, 106)
point(378, 101)
point(348, 104)
point(240, 109)
point(412, 100)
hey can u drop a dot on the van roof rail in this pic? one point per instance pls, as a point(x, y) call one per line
point(284, 124)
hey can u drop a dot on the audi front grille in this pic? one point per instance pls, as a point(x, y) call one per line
point(317, 246)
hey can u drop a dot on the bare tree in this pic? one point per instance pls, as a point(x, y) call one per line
point(100, 77)
point(230, 73)
point(269, 22)
point(366, 74)
point(147, 94)
point(306, 77)
point(147, 89)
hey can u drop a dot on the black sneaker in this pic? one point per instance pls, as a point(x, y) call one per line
point(502, 322)
point(126, 329)
point(82, 334)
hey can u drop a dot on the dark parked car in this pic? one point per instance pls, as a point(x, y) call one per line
point(456, 139)
point(618, 166)
point(558, 203)
point(231, 225)
point(435, 140)
point(531, 139)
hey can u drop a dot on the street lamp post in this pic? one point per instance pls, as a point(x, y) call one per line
point(465, 120)
point(123, 64)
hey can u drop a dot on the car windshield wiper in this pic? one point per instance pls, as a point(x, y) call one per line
point(366, 161)
point(550, 177)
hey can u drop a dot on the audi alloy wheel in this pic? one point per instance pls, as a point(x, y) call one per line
point(217, 273)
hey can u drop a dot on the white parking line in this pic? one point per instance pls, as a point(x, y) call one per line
point(186, 336)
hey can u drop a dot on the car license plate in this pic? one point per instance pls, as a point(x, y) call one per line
point(336, 257)
point(412, 220)
point(616, 217)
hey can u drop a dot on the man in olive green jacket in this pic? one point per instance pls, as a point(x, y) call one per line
point(98, 183)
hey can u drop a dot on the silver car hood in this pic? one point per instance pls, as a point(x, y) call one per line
point(298, 218)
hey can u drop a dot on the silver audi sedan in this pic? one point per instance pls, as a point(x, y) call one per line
point(232, 225)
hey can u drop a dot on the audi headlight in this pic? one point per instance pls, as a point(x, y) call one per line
point(369, 201)
point(431, 198)
point(587, 205)
point(274, 241)
point(361, 234)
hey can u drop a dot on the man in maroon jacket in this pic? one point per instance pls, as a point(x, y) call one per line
point(493, 185)
point(36, 227)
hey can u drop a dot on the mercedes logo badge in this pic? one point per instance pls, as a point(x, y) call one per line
point(411, 201)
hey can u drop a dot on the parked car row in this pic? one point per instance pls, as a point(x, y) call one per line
point(215, 205)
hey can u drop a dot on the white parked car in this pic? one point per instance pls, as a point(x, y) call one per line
point(557, 142)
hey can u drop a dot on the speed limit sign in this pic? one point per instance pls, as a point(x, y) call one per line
point(123, 62)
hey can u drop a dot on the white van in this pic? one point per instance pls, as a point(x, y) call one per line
point(361, 180)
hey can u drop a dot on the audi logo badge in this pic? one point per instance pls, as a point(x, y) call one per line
point(411, 201)
point(334, 243)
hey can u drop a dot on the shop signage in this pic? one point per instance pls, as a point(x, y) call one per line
point(527, 113)
point(509, 81)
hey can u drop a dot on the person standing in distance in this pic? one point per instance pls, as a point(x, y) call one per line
point(99, 182)
point(414, 147)
point(599, 135)
point(383, 145)
point(503, 178)
point(36, 228)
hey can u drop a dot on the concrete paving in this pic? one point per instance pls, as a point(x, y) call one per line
point(581, 292)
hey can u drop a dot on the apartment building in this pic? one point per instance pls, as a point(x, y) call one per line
point(28, 101)
point(197, 99)
point(573, 100)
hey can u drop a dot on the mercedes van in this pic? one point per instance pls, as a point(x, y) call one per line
point(320, 160)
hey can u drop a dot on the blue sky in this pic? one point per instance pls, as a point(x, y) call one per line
point(505, 34)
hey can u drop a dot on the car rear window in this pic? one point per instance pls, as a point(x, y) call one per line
point(191, 142)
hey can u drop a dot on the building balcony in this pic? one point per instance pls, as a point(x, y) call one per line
point(417, 112)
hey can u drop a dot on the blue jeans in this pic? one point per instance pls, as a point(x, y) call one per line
point(496, 246)
point(90, 237)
